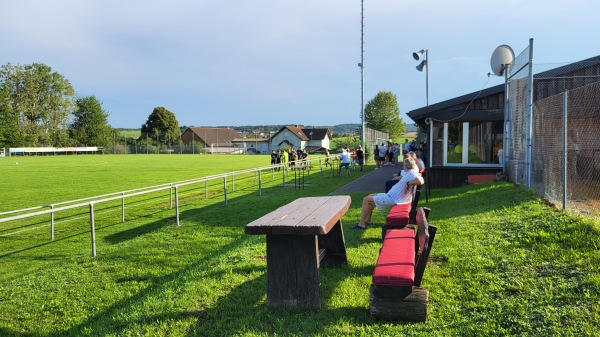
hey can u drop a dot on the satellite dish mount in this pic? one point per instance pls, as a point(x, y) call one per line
point(503, 58)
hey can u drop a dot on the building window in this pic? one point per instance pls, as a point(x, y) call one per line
point(485, 140)
point(455, 143)
point(467, 143)
point(437, 137)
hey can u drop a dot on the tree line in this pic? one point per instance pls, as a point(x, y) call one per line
point(38, 107)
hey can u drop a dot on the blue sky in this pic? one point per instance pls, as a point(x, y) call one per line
point(237, 62)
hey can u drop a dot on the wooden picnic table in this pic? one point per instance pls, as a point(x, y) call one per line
point(301, 235)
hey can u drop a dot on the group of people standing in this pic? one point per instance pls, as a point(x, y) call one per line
point(388, 153)
point(385, 155)
point(289, 158)
point(412, 146)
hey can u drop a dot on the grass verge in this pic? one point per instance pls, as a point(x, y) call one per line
point(503, 263)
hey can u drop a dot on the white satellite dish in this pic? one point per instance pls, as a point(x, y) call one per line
point(502, 57)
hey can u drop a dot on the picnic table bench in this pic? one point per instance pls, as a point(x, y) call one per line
point(300, 236)
point(395, 292)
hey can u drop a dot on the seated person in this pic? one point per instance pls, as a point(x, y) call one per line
point(400, 193)
point(416, 168)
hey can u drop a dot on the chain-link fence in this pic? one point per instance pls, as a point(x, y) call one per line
point(130, 146)
point(565, 148)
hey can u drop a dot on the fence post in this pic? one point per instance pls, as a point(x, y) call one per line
point(92, 229)
point(321, 165)
point(171, 196)
point(529, 132)
point(225, 189)
point(123, 207)
point(52, 224)
point(177, 204)
point(259, 183)
point(564, 156)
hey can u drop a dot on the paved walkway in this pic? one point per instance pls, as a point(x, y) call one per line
point(372, 182)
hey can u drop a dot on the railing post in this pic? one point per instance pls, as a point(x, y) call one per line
point(321, 165)
point(92, 229)
point(171, 196)
point(52, 224)
point(123, 207)
point(259, 183)
point(177, 204)
point(225, 189)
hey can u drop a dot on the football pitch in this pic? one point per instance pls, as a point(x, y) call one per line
point(29, 181)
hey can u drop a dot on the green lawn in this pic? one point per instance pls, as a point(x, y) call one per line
point(33, 181)
point(131, 134)
point(504, 263)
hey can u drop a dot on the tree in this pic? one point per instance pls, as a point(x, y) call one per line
point(10, 133)
point(90, 125)
point(162, 127)
point(382, 113)
point(37, 102)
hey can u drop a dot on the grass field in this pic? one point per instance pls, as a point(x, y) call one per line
point(42, 180)
point(503, 264)
point(132, 134)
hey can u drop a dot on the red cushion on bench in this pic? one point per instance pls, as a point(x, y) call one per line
point(398, 215)
point(396, 263)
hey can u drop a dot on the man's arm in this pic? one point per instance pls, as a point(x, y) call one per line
point(418, 181)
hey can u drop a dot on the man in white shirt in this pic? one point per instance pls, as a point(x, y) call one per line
point(400, 193)
point(382, 152)
point(345, 158)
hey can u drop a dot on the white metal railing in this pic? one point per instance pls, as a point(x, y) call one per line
point(173, 187)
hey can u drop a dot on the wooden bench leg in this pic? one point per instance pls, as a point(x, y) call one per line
point(293, 278)
point(412, 308)
point(334, 245)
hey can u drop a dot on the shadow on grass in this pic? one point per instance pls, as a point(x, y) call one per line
point(243, 308)
point(227, 220)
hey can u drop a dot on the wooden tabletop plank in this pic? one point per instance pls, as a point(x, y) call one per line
point(263, 224)
point(321, 217)
point(303, 216)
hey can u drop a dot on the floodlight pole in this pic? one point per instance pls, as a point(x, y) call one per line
point(362, 73)
point(425, 64)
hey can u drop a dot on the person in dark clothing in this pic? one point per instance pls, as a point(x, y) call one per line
point(360, 156)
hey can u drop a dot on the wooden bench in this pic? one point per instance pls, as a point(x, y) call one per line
point(395, 292)
point(400, 215)
point(300, 236)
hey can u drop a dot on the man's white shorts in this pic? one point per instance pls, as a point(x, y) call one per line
point(383, 201)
